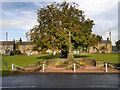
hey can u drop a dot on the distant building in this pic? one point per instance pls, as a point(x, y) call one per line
point(10, 46)
point(6, 46)
point(103, 46)
point(26, 47)
point(118, 45)
point(114, 49)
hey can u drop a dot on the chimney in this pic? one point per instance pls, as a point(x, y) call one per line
point(110, 35)
point(13, 44)
point(6, 42)
point(110, 42)
point(6, 36)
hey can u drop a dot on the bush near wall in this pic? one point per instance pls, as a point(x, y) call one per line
point(17, 52)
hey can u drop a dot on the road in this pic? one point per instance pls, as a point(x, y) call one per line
point(61, 81)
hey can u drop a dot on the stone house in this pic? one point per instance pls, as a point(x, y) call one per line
point(103, 46)
point(26, 47)
point(10, 46)
point(6, 46)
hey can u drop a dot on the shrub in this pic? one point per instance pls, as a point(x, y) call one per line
point(17, 52)
point(43, 52)
point(11, 53)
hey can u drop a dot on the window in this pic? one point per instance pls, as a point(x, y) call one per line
point(94, 50)
point(24, 51)
point(3, 46)
point(30, 46)
point(106, 45)
point(8, 46)
point(24, 47)
point(106, 49)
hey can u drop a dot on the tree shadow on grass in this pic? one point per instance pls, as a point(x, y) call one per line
point(49, 57)
point(80, 56)
point(59, 56)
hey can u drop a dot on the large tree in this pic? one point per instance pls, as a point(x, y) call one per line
point(55, 22)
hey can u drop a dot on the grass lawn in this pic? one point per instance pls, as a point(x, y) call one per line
point(23, 60)
point(112, 58)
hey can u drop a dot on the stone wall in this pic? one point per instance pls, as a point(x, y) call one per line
point(94, 62)
point(114, 65)
point(90, 62)
point(100, 63)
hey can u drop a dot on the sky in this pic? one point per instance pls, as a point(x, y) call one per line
point(18, 17)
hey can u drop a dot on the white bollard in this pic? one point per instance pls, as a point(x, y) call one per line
point(43, 68)
point(12, 67)
point(78, 52)
point(106, 67)
point(74, 67)
point(54, 53)
point(28, 54)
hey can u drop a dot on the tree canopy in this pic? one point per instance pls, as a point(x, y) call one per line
point(55, 22)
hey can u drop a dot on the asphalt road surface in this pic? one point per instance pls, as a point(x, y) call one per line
point(61, 81)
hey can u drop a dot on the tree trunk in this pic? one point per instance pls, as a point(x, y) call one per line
point(64, 51)
point(86, 49)
point(83, 49)
point(64, 54)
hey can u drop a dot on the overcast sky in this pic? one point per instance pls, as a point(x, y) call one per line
point(18, 17)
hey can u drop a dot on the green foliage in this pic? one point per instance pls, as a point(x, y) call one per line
point(55, 21)
point(35, 48)
point(17, 52)
point(103, 48)
point(99, 37)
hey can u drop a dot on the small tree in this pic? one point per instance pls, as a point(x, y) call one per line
point(103, 48)
point(17, 52)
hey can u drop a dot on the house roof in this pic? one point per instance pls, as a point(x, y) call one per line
point(6, 42)
point(26, 43)
point(104, 41)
